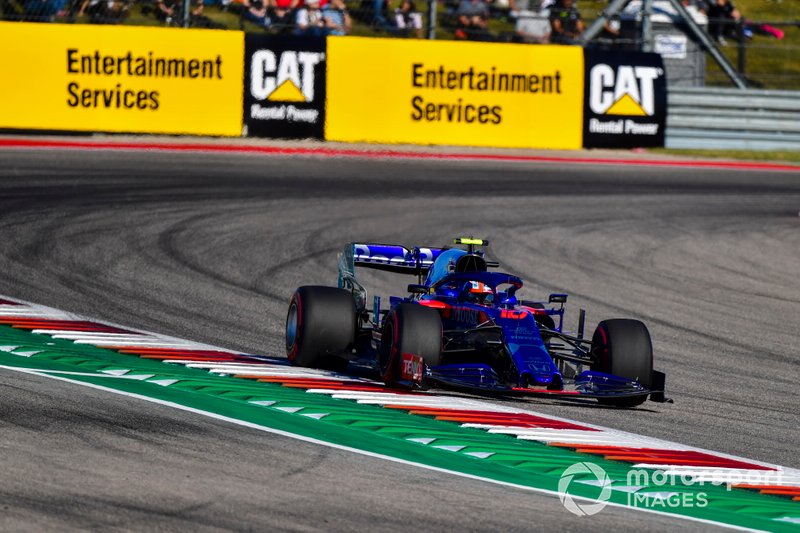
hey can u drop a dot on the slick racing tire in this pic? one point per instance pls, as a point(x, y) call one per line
point(320, 323)
point(409, 328)
point(623, 348)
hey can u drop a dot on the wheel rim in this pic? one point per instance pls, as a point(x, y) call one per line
point(291, 327)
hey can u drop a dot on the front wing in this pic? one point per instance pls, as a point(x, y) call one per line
point(588, 384)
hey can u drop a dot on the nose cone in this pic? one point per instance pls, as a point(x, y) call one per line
point(551, 380)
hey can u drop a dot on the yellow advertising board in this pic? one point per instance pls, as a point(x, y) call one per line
point(457, 93)
point(121, 79)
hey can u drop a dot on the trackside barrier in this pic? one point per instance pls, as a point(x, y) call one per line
point(504, 95)
point(733, 119)
point(625, 105)
point(284, 87)
point(458, 93)
point(121, 79)
point(202, 82)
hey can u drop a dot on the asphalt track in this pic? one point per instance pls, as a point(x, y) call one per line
point(210, 248)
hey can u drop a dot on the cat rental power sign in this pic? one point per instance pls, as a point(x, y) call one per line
point(121, 79)
point(456, 93)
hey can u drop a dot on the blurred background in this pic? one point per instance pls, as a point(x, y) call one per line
point(760, 38)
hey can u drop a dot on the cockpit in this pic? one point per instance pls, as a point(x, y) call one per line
point(469, 280)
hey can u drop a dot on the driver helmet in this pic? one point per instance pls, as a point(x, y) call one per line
point(480, 292)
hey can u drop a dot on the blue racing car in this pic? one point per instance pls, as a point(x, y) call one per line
point(463, 326)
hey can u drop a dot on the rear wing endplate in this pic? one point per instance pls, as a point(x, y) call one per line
point(389, 257)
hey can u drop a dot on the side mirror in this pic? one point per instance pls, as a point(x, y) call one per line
point(558, 298)
point(417, 289)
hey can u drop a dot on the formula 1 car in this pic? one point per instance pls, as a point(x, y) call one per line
point(463, 326)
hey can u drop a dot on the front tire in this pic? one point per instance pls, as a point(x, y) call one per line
point(409, 328)
point(623, 348)
point(320, 323)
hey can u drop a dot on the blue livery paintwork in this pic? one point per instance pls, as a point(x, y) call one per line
point(492, 340)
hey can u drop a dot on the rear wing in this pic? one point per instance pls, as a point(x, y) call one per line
point(388, 257)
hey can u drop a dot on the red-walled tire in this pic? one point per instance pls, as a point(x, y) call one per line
point(623, 348)
point(409, 328)
point(321, 322)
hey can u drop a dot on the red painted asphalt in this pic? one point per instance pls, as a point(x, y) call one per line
point(383, 154)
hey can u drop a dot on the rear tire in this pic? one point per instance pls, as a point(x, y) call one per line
point(409, 328)
point(623, 348)
point(320, 324)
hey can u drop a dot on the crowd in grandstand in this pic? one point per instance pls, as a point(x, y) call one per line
point(311, 17)
point(534, 21)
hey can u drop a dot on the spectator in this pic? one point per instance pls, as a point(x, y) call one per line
point(257, 12)
point(43, 10)
point(722, 20)
point(532, 24)
point(282, 13)
point(517, 6)
point(337, 19)
point(407, 17)
point(612, 29)
point(381, 15)
point(117, 11)
point(532, 27)
point(95, 9)
point(472, 16)
point(169, 11)
point(695, 6)
point(309, 20)
point(198, 20)
point(566, 24)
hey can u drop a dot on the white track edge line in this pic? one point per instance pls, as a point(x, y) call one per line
point(634, 437)
point(312, 440)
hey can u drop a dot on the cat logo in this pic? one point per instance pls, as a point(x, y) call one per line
point(289, 78)
point(628, 91)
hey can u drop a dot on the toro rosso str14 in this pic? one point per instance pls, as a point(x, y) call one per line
point(465, 326)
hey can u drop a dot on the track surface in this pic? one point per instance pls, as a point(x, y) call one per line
point(210, 248)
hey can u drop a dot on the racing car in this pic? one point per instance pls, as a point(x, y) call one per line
point(464, 325)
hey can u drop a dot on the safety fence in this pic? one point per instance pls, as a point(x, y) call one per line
point(354, 89)
point(764, 50)
point(432, 19)
point(733, 119)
